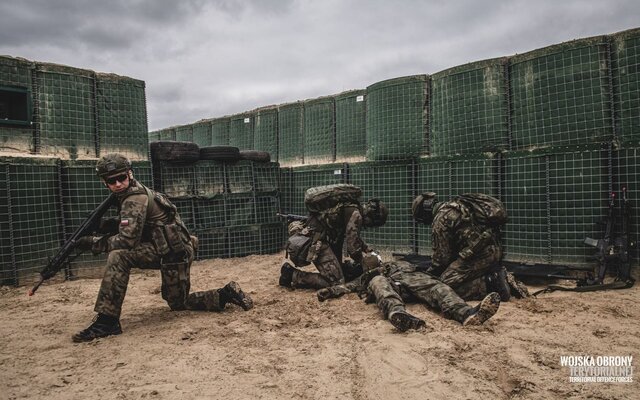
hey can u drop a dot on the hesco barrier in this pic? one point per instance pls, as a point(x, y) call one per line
point(469, 109)
point(628, 176)
point(561, 94)
point(266, 131)
point(397, 118)
point(220, 131)
point(122, 116)
point(626, 74)
point(16, 133)
point(184, 133)
point(66, 115)
point(290, 134)
point(154, 136)
point(31, 216)
point(319, 130)
point(241, 131)
point(351, 125)
point(167, 134)
point(202, 133)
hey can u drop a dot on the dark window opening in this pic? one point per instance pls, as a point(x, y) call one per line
point(15, 106)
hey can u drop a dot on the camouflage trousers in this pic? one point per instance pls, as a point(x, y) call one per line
point(393, 289)
point(329, 267)
point(175, 281)
point(467, 277)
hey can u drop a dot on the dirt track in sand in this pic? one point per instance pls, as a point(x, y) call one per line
point(292, 346)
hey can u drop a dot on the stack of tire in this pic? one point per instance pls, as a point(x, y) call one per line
point(227, 197)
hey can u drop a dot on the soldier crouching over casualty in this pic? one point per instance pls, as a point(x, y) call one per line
point(392, 284)
point(336, 216)
point(149, 235)
point(467, 251)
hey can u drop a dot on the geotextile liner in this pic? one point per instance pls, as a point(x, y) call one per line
point(397, 118)
point(241, 131)
point(266, 131)
point(626, 77)
point(17, 137)
point(351, 125)
point(290, 134)
point(319, 130)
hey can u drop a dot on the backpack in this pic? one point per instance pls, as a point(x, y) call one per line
point(323, 198)
point(486, 210)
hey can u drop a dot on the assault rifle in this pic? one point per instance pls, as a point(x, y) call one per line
point(64, 257)
point(293, 217)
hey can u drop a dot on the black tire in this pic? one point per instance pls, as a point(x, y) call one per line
point(255, 155)
point(175, 152)
point(220, 153)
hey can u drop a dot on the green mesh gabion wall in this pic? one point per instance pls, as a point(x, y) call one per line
point(209, 178)
point(184, 133)
point(8, 274)
point(266, 131)
point(243, 240)
point(176, 181)
point(212, 243)
point(66, 123)
point(290, 134)
point(241, 131)
point(16, 137)
point(561, 94)
point(167, 134)
point(32, 197)
point(434, 174)
point(220, 131)
point(351, 125)
point(154, 136)
point(319, 130)
point(392, 183)
point(628, 176)
point(209, 212)
point(239, 176)
point(266, 177)
point(302, 178)
point(469, 109)
point(626, 75)
point(122, 116)
point(397, 118)
point(202, 133)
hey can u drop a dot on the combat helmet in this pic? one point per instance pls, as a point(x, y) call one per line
point(375, 213)
point(112, 164)
point(422, 207)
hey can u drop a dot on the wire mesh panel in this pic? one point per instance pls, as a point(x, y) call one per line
point(527, 233)
point(142, 172)
point(66, 111)
point(239, 209)
point(212, 243)
point(578, 193)
point(305, 177)
point(122, 116)
point(239, 176)
point(154, 136)
point(209, 177)
point(319, 130)
point(351, 126)
point(220, 131)
point(272, 237)
point(16, 106)
point(469, 109)
point(628, 176)
point(290, 134)
point(8, 274)
point(210, 212)
point(187, 211)
point(626, 75)
point(176, 180)
point(287, 191)
point(241, 131)
point(202, 133)
point(266, 176)
point(167, 134)
point(390, 182)
point(266, 131)
point(34, 212)
point(267, 205)
point(397, 118)
point(243, 240)
point(475, 174)
point(184, 133)
point(434, 174)
point(561, 95)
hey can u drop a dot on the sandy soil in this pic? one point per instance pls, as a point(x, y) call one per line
point(290, 346)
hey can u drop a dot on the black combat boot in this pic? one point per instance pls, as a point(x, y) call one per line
point(286, 275)
point(487, 308)
point(497, 282)
point(232, 293)
point(403, 321)
point(102, 326)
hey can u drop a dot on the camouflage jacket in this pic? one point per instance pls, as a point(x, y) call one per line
point(342, 228)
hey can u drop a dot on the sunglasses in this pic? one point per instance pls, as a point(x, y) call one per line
point(119, 178)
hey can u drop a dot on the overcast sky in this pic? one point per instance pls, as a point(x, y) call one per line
point(205, 59)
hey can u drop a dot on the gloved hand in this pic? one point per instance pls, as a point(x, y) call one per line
point(84, 243)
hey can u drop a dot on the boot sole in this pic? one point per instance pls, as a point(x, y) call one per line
point(246, 303)
point(403, 322)
point(83, 339)
point(488, 308)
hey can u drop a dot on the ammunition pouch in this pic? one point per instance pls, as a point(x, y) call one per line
point(297, 247)
point(170, 238)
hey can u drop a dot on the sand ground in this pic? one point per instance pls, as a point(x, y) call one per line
point(290, 346)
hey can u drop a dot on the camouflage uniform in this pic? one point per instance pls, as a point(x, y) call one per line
point(134, 246)
point(398, 282)
point(329, 235)
point(463, 252)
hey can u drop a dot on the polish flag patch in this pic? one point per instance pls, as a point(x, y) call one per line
point(124, 222)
